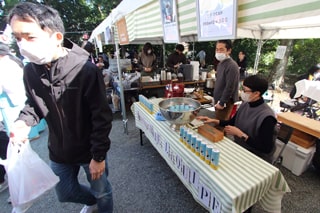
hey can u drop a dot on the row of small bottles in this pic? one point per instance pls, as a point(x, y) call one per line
point(146, 103)
point(205, 150)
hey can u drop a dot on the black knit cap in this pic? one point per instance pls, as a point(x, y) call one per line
point(180, 47)
point(256, 83)
point(4, 49)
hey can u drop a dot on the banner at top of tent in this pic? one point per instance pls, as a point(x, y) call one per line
point(169, 17)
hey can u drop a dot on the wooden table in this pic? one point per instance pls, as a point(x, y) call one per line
point(241, 180)
point(307, 125)
point(306, 130)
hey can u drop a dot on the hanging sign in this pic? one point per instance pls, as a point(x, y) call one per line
point(108, 36)
point(122, 32)
point(216, 19)
point(170, 21)
point(281, 50)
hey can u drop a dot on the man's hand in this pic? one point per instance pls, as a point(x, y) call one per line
point(19, 131)
point(218, 107)
point(97, 169)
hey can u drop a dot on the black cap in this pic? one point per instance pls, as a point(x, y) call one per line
point(256, 83)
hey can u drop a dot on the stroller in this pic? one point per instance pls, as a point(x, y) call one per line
point(309, 108)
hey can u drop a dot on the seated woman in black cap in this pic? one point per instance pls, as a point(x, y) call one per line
point(253, 125)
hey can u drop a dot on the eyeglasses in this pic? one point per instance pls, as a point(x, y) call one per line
point(245, 91)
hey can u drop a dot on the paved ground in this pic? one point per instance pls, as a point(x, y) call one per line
point(143, 182)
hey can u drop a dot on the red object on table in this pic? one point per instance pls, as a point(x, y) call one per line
point(174, 90)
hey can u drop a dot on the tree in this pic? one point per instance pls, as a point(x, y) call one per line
point(79, 16)
point(279, 67)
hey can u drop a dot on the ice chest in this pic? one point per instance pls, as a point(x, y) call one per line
point(296, 158)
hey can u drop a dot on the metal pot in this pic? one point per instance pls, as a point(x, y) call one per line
point(210, 83)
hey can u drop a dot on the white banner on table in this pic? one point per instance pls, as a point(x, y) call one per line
point(169, 21)
point(204, 195)
point(194, 178)
point(216, 19)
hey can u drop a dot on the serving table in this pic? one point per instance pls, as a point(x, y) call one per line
point(241, 180)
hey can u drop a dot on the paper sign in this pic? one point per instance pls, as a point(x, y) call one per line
point(204, 195)
point(169, 21)
point(216, 19)
point(194, 178)
point(122, 32)
point(281, 50)
point(215, 204)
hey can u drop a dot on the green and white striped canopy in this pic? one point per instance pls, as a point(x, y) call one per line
point(260, 19)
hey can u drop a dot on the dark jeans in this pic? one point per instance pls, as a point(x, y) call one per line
point(4, 140)
point(70, 190)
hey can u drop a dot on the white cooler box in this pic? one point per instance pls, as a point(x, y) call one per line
point(295, 158)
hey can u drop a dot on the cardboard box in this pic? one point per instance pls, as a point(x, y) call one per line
point(302, 139)
point(210, 133)
point(294, 157)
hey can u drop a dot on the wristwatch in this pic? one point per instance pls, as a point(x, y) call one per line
point(99, 158)
point(244, 137)
point(224, 105)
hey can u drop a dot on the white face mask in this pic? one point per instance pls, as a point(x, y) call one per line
point(39, 52)
point(245, 96)
point(316, 75)
point(220, 56)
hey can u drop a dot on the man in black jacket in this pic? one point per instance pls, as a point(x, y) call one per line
point(69, 92)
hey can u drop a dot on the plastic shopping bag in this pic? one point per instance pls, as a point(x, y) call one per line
point(28, 175)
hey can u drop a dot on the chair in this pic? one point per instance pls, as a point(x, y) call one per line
point(283, 135)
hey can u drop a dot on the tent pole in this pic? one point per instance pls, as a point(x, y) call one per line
point(122, 101)
point(257, 59)
point(193, 58)
point(164, 53)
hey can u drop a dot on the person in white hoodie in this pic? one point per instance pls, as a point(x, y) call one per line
point(12, 98)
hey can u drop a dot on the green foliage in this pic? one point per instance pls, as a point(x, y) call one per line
point(306, 52)
point(79, 16)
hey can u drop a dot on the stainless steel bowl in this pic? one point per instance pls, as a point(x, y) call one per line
point(177, 118)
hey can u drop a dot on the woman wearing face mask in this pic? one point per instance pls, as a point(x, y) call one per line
point(254, 123)
point(147, 60)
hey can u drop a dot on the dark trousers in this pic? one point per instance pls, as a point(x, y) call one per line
point(4, 140)
point(225, 113)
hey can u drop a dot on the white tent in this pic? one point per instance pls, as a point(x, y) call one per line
point(282, 19)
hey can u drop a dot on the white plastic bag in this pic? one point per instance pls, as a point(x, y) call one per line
point(28, 175)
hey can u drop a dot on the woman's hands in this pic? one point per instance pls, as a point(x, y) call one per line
point(229, 130)
point(206, 119)
point(235, 131)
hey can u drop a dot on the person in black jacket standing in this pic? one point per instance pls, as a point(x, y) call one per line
point(242, 63)
point(69, 92)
